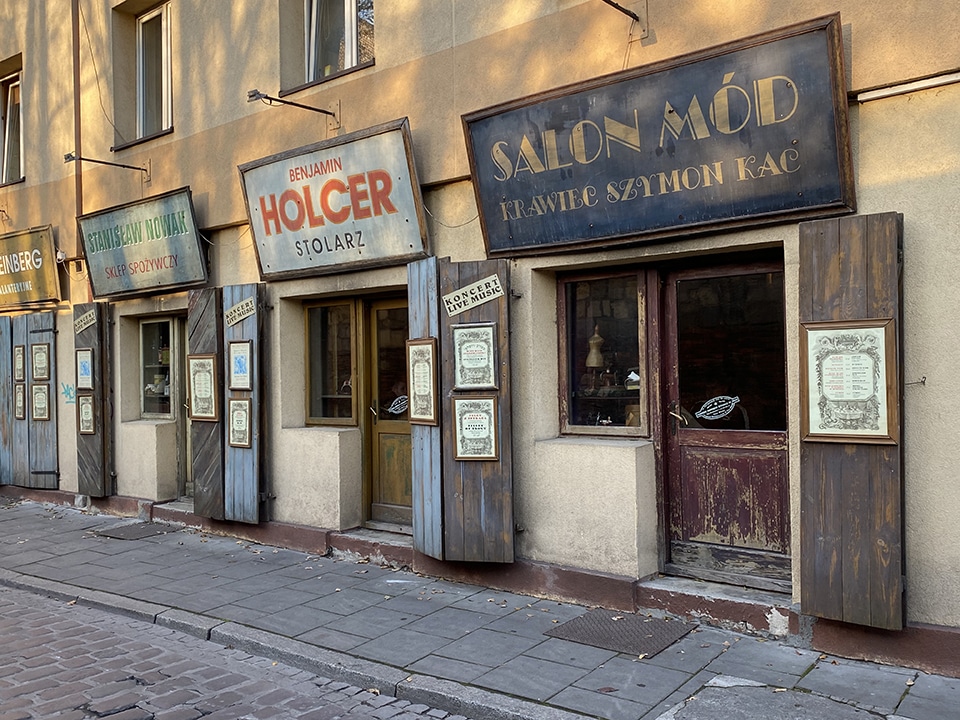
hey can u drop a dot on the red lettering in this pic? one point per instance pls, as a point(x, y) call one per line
point(312, 217)
point(380, 187)
point(270, 215)
point(296, 222)
point(334, 216)
point(359, 193)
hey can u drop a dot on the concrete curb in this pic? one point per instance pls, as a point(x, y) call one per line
point(447, 695)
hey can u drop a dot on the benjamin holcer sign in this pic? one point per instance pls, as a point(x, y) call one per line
point(754, 131)
point(340, 204)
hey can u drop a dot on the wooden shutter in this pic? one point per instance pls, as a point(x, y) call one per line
point(424, 322)
point(206, 438)
point(44, 467)
point(477, 494)
point(7, 422)
point(851, 532)
point(241, 490)
point(95, 452)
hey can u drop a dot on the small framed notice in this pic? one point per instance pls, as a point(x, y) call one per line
point(240, 422)
point(475, 427)
point(848, 382)
point(40, 405)
point(85, 417)
point(422, 381)
point(202, 377)
point(84, 369)
point(241, 370)
point(20, 401)
point(19, 363)
point(475, 356)
point(40, 355)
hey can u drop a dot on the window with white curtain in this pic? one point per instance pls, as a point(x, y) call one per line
point(12, 136)
point(339, 36)
point(153, 72)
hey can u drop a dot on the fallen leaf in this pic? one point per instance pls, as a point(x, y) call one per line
point(607, 689)
point(641, 656)
point(911, 683)
point(375, 691)
point(780, 690)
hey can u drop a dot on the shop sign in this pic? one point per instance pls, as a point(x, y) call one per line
point(341, 204)
point(28, 268)
point(144, 247)
point(239, 312)
point(746, 133)
point(86, 320)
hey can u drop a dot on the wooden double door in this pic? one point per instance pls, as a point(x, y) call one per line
point(724, 424)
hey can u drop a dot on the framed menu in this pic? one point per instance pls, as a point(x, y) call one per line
point(202, 375)
point(475, 356)
point(475, 427)
point(422, 381)
point(849, 381)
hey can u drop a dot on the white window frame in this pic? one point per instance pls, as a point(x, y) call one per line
point(8, 84)
point(311, 28)
point(166, 115)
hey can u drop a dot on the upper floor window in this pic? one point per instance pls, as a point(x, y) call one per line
point(12, 136)
point(339, 36)
point(153, 72)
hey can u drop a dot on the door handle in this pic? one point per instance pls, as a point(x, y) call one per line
point(373, 409)
point(672, 412)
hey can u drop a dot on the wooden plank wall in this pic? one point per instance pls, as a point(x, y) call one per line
point(6, 401)
point(94, 461)
point(851, 493)
point(477, 495)
point(424, 322)
point(44, 462)
point(241, 489)
point(206, 438)
point(21, 428)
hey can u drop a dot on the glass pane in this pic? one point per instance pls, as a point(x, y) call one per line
point(364, 31)
point(603, 352)
point(330, 355)
point(329, 30)
point(731, 352)
point(392, 363)
point(11, 139)
point(155, 367)
point(151, 75)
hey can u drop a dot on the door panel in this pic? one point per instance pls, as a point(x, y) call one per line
point(725, 446)
point(390, 482)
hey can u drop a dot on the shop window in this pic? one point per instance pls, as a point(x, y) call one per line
point(603, 371)
point(338, 36)
point(12, 148)
point(153, 72)
point(331, 363)
point(155, 368)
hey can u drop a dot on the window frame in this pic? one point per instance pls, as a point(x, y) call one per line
point(166, 99)
point(644, 392)
point(173, 385)
point(7, 84)
point(351, 50)
point(355, 353)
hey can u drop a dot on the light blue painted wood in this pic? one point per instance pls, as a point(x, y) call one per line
point(424, 322)
point(6, 401)
point(21, 431)
point(241, 490)
point(44, 462)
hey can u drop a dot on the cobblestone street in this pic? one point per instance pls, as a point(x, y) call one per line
point(64, 661)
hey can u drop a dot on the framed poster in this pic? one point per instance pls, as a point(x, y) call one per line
point(20, 401)
point(241, 372)
point(85, 419)
point(475, 356)
point(422, 381)
point(848, 381)
point(40, 356)
point(475, 427)
point(239, 411)
point(84, 369)
point(40, 407)
point(19, 363)
point(202, 378)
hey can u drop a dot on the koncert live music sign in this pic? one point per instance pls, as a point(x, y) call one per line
point(750, 132)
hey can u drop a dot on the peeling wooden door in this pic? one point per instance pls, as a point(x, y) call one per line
point(95, 433)
point(725, 425)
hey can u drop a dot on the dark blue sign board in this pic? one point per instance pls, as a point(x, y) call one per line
point(746, 133)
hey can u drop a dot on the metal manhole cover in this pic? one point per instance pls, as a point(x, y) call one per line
point(135, 531)
point(622, 632)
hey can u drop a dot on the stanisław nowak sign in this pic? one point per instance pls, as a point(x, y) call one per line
point(145, 246)
point(28, 268)
point(340, 204)
point(754, 131)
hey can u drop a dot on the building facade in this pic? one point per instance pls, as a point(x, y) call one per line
point(644, 305)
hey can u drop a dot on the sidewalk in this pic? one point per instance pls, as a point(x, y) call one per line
point(466, 649)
